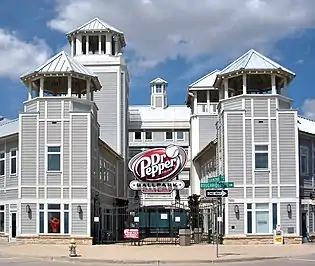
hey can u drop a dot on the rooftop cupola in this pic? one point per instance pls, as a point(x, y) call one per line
point(253, 73)
point(158, 93)
point(61, 75)
point(96, 37)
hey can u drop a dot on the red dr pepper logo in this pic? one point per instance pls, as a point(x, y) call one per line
point(159, 164)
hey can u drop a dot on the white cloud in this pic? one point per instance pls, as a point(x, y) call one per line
point(308, 108)
point(157, 30)
point(18, 56)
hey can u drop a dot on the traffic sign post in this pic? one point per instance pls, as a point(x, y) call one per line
point(217, 193)
point(217, 185)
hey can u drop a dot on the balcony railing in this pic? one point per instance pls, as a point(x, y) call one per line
point(204, 108)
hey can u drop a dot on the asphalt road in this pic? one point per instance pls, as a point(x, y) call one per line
point(298, 261)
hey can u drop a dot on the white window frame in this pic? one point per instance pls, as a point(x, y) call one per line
point(258, 151)
point(165, 133)
point(180, 139)
point(304, 153)
point(158, 88)
point(53, 153)
point(145, 136)
point(101, 169)
point(134, 136)
point(62, 221)
point(11, 158)
point(4, 162)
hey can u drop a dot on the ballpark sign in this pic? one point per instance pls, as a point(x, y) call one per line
point(155, 169)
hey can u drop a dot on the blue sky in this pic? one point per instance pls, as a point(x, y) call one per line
point(31, 25)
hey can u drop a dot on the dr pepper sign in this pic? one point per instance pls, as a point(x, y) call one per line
point(155, 169)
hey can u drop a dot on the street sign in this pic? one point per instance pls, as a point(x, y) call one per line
point(217, 193)
point(218, 178)
point(217, 185)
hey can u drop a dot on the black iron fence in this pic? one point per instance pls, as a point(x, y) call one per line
point(137, 225)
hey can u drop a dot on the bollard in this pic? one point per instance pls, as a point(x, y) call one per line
point(73, 248)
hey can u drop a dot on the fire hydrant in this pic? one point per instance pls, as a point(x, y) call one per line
point(73, 248)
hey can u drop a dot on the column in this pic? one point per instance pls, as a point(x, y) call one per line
point(88, 89)
point(273, 84)
point(79, 44)
point(69, 86)
point(226, 88)
point(195, 103)
point(100, 44)
point(208, 101)
point(87, 44)
point(72, 46)
point(244, 84)
point(30, 90)
point(41, 87)
point(109, 44)
point(285, 87)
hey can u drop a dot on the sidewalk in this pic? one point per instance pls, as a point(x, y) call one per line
point(151, 254)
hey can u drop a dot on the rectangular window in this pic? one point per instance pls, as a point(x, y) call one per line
point(158, 88)
point(53, 218)
point(138, 135)
point(83, 46)
point(180, 135)
point(66, 219)
point(41, 219)
point(2, 163)
point(101, 169)
point(169, 135)
point(262, 218)
point(304, 160)
point(53, 158)
point(274, 215)
point(249, 219)
point(13, 158)
point(261, 157)
point(1, 218)
point(148, 135)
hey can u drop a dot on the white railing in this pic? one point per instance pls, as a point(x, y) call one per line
point(204, 108)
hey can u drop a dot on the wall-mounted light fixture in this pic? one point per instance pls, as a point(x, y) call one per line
point(28, 208)
point(236, 209)
point(289, 208)
point(79, 209)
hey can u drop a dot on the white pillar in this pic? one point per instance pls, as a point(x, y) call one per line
point(41, 87)
point(30, 90)
point(88, 89)
point(226, 88)
point(273, 84)
point(195, 103)
point(69, 86)
point(72, 46)
point(87, 44)
point(208, 101)
point(100, 44)
point(244, 84)
point(108, 44)
point(79, 45)
point(285, 87)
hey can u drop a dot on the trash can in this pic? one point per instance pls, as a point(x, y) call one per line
point(184, 237)
point(197, 235)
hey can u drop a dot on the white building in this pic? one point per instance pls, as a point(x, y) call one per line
point(158, 125)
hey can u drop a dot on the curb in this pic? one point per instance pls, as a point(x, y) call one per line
point(155, 262)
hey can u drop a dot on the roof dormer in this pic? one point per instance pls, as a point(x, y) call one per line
point(158, 93)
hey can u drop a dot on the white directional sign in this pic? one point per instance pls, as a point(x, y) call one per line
point(217, 193)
